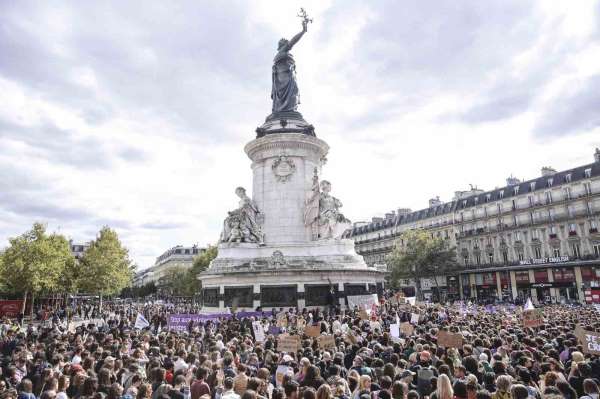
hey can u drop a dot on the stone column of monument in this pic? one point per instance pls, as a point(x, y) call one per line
point(283, 246)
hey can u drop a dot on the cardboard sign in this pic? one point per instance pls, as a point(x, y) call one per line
point(351, 338)
point(282, 320)
point(326, 342)
point(364, 315)
point(288, 343)
point(300, 323)
point(406, 328)
point(590, 340)
point(259, 331)
point(312, 331)
point(533, 318)
point(449, 340)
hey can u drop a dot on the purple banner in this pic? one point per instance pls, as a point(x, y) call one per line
point(180, 322)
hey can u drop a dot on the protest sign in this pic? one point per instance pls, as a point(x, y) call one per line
point(412, 300)
point(326, 342)
point(259, 331)
point(282, 320)
point(395, 330)
point(288, 343)
point(351, 338)
point(414, 318)
point(449, 340)
point(312, 331)
point(300, 323)
point(533, 318)
point(141, 322)
point(364, 315)
point(281, 372)
point(363, 301)
point(406, 328)
point(590, 340)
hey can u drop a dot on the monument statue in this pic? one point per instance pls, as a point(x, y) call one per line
point(284, 92)
point(322, 211)
point(244, 223)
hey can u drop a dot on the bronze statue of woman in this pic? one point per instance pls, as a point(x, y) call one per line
point(284, 92)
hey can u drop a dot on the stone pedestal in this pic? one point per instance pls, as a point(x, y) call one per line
point(291, 267)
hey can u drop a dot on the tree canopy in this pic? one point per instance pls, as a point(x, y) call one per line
point(105, 265)
point(35, 262)
point(417, 254)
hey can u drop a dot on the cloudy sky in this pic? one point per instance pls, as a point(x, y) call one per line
point(135, 114)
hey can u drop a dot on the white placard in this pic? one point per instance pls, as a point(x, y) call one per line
point(259, 331)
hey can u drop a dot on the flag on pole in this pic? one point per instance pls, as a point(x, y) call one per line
point(529, 305)
point(141, 322)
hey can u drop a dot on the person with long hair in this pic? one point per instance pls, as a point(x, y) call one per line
point(590, 388)
point(444, 388)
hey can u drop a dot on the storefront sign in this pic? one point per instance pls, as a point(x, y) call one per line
point(539, 261)
point(11, 308)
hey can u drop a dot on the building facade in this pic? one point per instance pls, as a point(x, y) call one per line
point(176, 257)
point(537, 238)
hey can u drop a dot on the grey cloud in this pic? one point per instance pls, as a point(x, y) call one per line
point(497, 108)
point(576, 109)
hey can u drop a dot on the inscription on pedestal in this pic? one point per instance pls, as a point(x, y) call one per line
point(238, 297)
point(278, 295)
point(355, 289)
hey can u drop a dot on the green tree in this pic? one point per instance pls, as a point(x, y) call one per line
point(201, 263)
point(105, 265)
point(417, 255)
point(176, 281)
point(34, 262)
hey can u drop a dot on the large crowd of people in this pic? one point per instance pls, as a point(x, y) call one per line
point(109, 358)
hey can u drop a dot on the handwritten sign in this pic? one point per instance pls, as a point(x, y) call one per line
point(395, 330)
point(533, 318)
point(449, 340)
point(259, 331)
point(326, 342)
point(363, 301)
point(351, 338)
point(364, 315)
point(312, 331)
point(288, 343)
point(282, 320)
point(414, 318)
point(590, 340)
point(406, 328)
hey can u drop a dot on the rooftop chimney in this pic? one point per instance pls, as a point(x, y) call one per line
point(512, 181)
point(548, 171)
point(435, 201)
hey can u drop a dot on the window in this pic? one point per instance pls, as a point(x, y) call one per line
point(535, 233)
point(501, 194)
point(556, 252)
point(568, 178)
point(588, 205)
point(499, 208)
point(588, 188)
point(478, 259)
point(550, 182)
point(476, 200)
point(587, 173)
point(505, 256)
point(572, 229)
point(491, 258)
point(570, 211)
point(552, 230)
point(530, 198)
point(531, 217)
point(593, 226)
point(521, 256)
point(517, 236)
point(596, 250)
point(516, 190)
point(464, 203)
point(466, 259)
point(548, 197)
point(576, 250)
point(537, 251)
point(568, 193)
point(488, 197)
point(532, 186)
point(514, 205)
